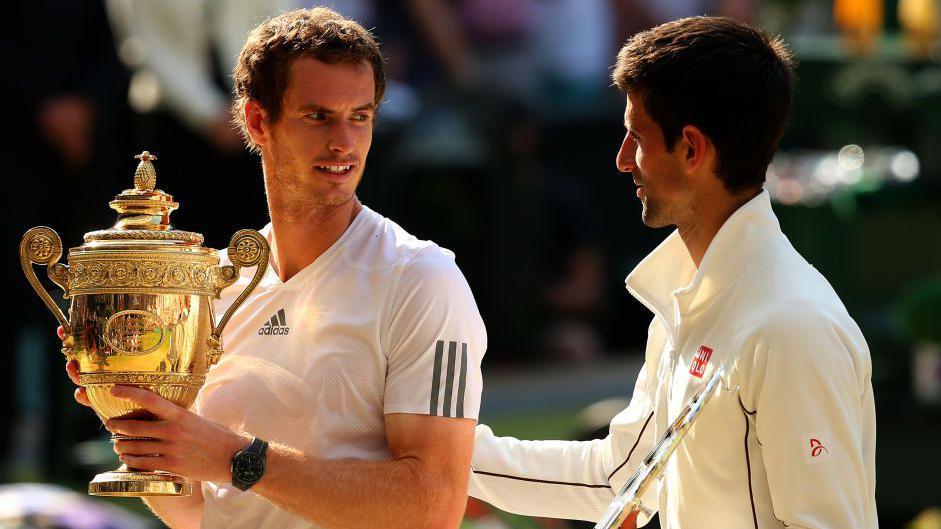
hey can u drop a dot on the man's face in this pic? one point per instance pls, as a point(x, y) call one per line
point(316, 151)
point(663, 189)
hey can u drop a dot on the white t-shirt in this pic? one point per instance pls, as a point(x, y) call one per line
point(380, 323)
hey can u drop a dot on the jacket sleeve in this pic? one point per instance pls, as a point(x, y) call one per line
point(563, 479)
point(810, 394)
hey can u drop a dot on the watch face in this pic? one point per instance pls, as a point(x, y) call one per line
point(249, 468)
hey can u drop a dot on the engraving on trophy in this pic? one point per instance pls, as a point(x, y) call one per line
point(134, 332)
point(40, 248)
point(247, 250)
point(185, 277)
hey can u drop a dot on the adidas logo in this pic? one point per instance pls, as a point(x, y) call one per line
point(277, 325)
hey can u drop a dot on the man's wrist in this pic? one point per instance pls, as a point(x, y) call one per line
point(249, 465)
point(237, 442)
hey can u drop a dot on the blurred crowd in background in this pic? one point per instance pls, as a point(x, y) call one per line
point(497, 140)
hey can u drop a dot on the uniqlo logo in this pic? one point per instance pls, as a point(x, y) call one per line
point(700, 360)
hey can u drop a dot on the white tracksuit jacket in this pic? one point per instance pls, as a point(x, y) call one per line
point(793, 447)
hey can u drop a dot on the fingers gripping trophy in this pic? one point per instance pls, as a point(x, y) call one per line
point(141, 310)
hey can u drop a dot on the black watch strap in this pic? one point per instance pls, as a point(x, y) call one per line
point(248, 465)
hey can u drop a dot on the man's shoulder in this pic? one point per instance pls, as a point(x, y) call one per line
point(778, 278)
point(785, 297)
point(806, 325)
point(381, 244)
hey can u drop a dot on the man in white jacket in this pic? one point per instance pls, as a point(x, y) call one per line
point(794, 446)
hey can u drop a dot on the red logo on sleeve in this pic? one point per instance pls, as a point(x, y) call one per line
point(700, 360)
point(817, 448)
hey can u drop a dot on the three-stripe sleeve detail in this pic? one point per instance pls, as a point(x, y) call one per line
point(457, 410)
point(436, 375)
point(449, 381)
point(462, 382)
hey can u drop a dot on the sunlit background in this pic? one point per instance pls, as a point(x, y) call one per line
point(497, 140)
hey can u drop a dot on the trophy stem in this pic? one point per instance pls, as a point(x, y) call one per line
point(126, 481)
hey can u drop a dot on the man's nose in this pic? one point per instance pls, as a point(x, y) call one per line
point(341, 139)
point(625, 160)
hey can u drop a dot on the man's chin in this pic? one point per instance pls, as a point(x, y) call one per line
point(652, 219)
point(334, 200)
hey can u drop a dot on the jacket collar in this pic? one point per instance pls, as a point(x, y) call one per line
point(668, 282)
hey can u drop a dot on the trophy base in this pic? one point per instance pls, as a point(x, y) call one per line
point(127, 482)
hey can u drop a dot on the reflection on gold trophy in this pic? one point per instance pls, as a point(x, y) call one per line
point(141, 312)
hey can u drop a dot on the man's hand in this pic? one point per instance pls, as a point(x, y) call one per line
point(179, 441)
point(71, 368)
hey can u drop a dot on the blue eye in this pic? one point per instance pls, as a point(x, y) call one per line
point(361, 117)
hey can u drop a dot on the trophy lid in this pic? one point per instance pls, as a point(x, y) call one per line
point(144, 211)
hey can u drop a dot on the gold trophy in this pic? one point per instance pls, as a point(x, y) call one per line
point(141, 312)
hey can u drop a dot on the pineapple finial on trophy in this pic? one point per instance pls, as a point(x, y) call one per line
point(145, 176)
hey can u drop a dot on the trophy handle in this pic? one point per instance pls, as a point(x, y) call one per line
point(42, 245)
point(247, 248)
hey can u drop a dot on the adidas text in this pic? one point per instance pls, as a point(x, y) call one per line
point(273, 330)
point(277, 325)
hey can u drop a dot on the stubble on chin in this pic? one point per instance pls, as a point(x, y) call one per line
point(292, 200)
point(661, 215)
point(301, 205)
point(678, 211)
point(650, 215)
point(331, 201)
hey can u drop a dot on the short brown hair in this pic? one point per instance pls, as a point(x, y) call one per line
point(265, 62)
point(731, 81)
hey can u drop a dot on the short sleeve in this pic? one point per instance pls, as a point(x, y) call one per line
point(435, 342)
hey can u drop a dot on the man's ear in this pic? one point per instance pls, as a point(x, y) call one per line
point(698, 151)
point(256, 120)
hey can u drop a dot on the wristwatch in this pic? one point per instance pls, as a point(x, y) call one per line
point(248, 465)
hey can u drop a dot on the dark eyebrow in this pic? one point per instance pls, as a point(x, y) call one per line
point(313, 107)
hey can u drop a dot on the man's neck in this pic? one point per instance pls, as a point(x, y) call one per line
point(302, 237)
point(711, 214)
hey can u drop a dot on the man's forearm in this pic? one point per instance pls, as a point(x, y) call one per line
point(425, 485)
point(179, 512)
point(350, 493)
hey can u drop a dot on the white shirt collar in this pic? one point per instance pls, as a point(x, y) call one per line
point(667, 281)
point(267, 232)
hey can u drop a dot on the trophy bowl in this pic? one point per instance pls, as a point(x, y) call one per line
point(141, 311)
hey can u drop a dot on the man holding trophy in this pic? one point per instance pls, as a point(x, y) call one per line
point(350, 384)
point(794, 444)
